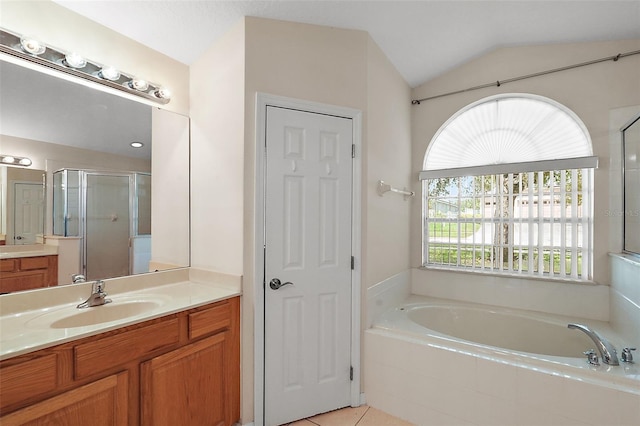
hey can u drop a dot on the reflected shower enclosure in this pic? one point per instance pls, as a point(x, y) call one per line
point(111, 213)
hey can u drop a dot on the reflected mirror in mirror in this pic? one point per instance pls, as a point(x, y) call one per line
point(71, 128)
point(631, 181)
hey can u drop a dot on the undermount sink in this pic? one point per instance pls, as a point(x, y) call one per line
point(71, 317)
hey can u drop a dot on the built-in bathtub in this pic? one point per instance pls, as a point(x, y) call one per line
point(433, 362)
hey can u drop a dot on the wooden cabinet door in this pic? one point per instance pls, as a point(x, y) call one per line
point(188, 386)
point(100, 403)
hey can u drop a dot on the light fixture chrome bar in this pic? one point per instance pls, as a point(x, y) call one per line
point(56, 59)
point(12, 160)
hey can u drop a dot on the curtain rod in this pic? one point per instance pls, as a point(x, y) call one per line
point(499, 83)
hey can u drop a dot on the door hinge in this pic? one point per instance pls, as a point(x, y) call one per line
point(353, 150)
point(351, 373)
point(353, 263)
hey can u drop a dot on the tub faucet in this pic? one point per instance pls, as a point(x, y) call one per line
point(606, 349)
point(98, 296)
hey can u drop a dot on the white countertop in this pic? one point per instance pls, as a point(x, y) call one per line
point(31, 250)
point(22, 329)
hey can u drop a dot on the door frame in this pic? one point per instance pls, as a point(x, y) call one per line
point(264, 100)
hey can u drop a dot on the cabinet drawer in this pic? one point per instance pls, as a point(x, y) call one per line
point(29, 263)
point(209, 320)
point(93, 357)
point(28, 379)
point(8, 265)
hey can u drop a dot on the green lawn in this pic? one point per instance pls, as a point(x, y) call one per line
point(439, 229)
point(445, 254)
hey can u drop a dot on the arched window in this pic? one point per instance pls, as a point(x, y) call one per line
point(507, 186)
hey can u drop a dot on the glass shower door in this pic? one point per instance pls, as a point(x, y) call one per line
point(107, 226)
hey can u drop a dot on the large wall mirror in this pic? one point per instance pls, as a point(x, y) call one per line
point(631, 181)
point(110, 209)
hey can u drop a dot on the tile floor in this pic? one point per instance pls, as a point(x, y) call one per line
point(350, 416)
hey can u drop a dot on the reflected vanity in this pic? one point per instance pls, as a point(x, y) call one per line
point(102, 208)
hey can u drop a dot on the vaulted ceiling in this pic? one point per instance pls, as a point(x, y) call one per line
point(423, 38)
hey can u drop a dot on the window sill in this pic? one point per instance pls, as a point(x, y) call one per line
point(508, 276)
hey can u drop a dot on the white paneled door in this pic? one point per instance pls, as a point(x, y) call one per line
point(28, 212)
point(308, 220)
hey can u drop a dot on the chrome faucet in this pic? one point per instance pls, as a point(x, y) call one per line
point(78, 278)
point(606, 349)
point(98, 296)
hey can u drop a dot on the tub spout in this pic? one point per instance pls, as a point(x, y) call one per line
point(606, 349)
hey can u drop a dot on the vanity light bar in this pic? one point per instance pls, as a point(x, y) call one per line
point(34, 51)
point(12, 160)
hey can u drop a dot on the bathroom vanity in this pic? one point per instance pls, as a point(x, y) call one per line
point(182, 367)
point(26, 268)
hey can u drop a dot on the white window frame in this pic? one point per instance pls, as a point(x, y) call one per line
point(535, 222)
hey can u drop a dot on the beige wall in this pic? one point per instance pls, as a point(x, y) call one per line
point(217, 149)
point(64, 29)
point(344, 68)
point(170, 186)
point(299, 61)
point(591, 92)
point(314, 63)
point(388, 159)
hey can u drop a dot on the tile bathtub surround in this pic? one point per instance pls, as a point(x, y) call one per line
point(429, 385)
point(625, 298)
point(353, 416)
point(386, 294)
point(577, 300)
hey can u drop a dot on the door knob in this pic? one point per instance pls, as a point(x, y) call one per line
point(276, 284)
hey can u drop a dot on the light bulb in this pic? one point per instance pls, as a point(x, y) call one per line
point(24, 162)
point(8, 160)
point(139, 84)
point(109, 73)
point(31, 45)
point(137, 144)
point(74, 60)
point(162, 93)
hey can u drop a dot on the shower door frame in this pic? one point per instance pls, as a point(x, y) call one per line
point(83, 209)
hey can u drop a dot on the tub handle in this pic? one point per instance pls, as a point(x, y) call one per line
point(592, 357)
point(627, 356)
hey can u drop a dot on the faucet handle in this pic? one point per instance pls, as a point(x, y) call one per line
point(627, 356)
point(98, 286)
point(592, 357)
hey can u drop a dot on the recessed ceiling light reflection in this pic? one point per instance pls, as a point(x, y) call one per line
point(136, 144)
